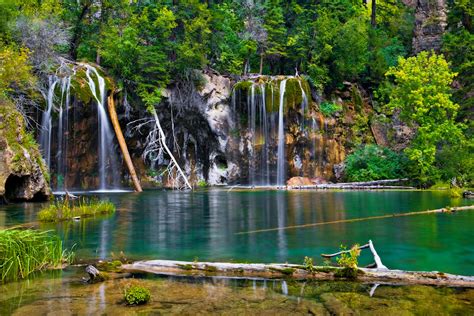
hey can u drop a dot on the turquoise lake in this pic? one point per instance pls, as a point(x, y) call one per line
point(215, 225)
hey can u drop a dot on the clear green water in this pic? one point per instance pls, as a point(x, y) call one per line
point(203, 225)
point(63, 293)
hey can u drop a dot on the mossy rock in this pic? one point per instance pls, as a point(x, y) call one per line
point(20, 157)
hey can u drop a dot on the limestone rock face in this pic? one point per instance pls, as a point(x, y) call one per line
point(23, 175)
point(430, 24)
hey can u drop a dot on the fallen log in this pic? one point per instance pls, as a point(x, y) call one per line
point(345, 186)
point(294, 271)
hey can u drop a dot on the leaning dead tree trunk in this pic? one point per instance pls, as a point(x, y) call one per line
point(122, 143)
point(378, 262)
point(174, 164)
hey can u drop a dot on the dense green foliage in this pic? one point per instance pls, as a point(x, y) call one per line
point(371, 162)
point(23, 252)
point(137, 295)
point(69, 209)
point(422, 95)
point(329, 108)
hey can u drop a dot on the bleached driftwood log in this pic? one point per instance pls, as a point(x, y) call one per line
point(295, 271)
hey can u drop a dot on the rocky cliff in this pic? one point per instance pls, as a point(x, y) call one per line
point(430, 24)
point(23, 175)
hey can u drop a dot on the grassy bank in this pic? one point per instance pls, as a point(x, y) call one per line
point(70, 209)
point(23, 252)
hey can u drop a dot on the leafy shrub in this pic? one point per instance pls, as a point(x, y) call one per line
point(329, 108)
point(137, 295)
point(202, 183)
point(371, 162)
point(348, 261)
point(308, 264)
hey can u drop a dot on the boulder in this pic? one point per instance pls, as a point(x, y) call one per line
point(299, 181)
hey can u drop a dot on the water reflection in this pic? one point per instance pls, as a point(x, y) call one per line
point(203, 225)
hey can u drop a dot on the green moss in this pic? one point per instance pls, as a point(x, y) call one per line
point(186, 266)
point(325, 269)
point(110, 266)
point(347, 273)
point(243, 86)
point(285, 271)
point(293, 96)
point(357, 98)
point(137, 295)
point(210, 269)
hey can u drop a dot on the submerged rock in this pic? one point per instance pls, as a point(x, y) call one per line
point(23, 175)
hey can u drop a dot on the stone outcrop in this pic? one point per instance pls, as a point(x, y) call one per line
point(430, 24)
point(23, 175)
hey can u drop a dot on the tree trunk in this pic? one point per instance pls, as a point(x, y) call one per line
point(374, 12)
point(123, 145)
point(261, 63)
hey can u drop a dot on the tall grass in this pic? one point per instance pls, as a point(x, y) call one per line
point(67, 209)
point(23, 252)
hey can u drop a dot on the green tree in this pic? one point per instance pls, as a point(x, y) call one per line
point(422, 94)
point(274, 23)
point(15, 71)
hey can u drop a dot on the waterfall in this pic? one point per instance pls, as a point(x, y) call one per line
point(46, 121)
point(105, 131)
point(263, 101)
point(281, 174)
point(304, 104)
point(58, 100)
point(266, 140)
point(63, 130)
point(252, 123)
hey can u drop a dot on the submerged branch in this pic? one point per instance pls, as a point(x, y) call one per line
point(441, 210)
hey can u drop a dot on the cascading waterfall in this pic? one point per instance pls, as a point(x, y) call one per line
point(304, 104)
point(63, 128)
point(46, 121)
point(105, 131)
point(266, 128)
point(60, 104)
point(281, 174)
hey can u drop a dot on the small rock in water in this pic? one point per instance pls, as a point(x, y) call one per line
point(468, 194)
point(94, 274)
